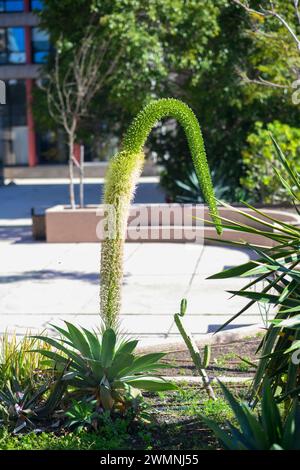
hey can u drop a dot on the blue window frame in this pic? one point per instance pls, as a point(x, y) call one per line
point(11, 5)
point(40, 46)
point(37, 5)
point(12, 46)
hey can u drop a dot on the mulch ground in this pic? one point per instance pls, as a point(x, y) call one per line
point(226, 359)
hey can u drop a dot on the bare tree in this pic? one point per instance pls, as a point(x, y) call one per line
point(73, 83)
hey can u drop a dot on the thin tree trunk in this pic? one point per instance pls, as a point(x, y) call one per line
point(71, 172)
point(81, 176)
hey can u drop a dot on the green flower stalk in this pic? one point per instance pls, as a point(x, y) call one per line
point(121, 180)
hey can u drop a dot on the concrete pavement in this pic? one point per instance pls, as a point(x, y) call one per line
point(42, 283)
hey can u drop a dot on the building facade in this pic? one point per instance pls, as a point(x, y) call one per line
point(23, 48)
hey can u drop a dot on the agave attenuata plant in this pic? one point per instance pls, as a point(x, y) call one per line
point(102, 368)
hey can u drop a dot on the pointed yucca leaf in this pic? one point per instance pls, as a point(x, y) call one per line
point(264, 297)
point(246, 361)
point(274, 354)
point(229, 242)
point(288, 229)
point(287, 322)
point(221, 435)
point(239, 412)
point(290, 310)
point(285, 162)
point(150, 384)
point(270, 416)
point(289, 289)
point(294, 347)
point(260, 269)
point(251, 217)
point(231, 319)
point(233, 272)
point(243, 441)
point(292, 375)
point(286, 185)
point(291, 434)
point(269, 217)
point(108, 347)
point(258, 435)
point(78, 339)
point(238, 227)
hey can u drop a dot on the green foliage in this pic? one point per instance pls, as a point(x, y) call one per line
point(21, 407)
point(260, 160)
point(190, 192)
point(121, 181)
point(108, 439)
point(156, 39)
point(16, 363)
point(278, 268)
point(102, 369)
point(82, 415)
point(267, 431)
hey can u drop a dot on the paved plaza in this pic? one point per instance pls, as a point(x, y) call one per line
point(43, 283)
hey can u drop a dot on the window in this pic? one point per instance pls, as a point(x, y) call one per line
point(40, 46)
point(37, 4)
point(12, 46)
point(14, 124)
point(11, 5)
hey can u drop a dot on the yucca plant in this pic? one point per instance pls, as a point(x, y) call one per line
point(121, 179)
point(278, 268)
point(265, 430)
point(101, 368)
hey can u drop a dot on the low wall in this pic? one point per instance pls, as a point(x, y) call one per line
point(154, 223)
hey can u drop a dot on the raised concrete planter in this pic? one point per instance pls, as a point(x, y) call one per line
point(154, 223)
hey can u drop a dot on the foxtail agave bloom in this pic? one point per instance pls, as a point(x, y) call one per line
point(122, 177)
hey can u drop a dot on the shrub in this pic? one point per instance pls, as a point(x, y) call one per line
point(260, 160)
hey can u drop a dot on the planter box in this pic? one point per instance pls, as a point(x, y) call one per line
point(153, 223)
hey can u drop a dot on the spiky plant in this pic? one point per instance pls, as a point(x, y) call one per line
point(122, 177)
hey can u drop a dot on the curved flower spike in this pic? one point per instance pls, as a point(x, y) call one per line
point(122, 177)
